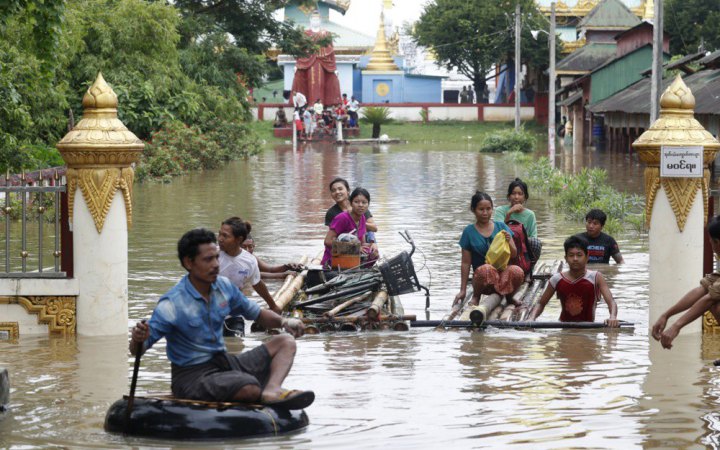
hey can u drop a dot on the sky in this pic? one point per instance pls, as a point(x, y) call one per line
point(364, 15)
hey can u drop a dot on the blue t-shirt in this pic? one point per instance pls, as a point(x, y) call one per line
point(477, 244)
point(192, 327)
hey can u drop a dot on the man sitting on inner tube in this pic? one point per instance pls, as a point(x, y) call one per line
point(190, 318)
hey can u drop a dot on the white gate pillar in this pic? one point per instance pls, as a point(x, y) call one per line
point(98, 153)
point(676, 206)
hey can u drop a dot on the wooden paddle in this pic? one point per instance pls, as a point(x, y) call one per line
point(133, 384)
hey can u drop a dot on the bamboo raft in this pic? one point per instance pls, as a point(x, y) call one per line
point(353, 300)
point(494, 308)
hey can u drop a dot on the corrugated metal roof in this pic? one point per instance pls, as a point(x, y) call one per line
point(711, 60)
point(705, 86)
point(572, 99)
point(587, 58)
point(609, 14)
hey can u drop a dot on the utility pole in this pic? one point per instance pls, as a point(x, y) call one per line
point(551, 90)
point(517, 67)
point(656, 81)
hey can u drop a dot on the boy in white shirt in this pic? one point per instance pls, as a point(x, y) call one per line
point(240, 266)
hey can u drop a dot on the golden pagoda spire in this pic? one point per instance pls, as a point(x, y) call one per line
point(676, 127)
point(99, 152)
point(380, 59)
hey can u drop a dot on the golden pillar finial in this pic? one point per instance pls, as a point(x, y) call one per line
point(676, 127)
point(380, 59)
point(98, 152)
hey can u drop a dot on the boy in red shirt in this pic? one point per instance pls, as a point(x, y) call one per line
point(577, 288)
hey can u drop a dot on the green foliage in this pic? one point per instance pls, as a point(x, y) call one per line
point(690, 22)
point(509, 141)
point(43, 17)
point(424, 115)
point(177, 149)
point(253, 27)
point(474, 35)
point(576, 194)
point(163, 66)
point(376, 115)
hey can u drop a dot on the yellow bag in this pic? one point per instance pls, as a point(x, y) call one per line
point(498, 255)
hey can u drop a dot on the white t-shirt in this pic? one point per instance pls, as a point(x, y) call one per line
point(300, 100)
point(242, 270)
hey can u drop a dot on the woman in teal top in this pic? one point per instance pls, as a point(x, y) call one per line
point(517, 196)
point(475, 242)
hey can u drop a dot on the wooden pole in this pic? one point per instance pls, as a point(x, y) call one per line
point(286, 296)
point(656, 80)
point(551, 90)
point(484, 308)
point(378, 302)
point(517, 67)
point(330, 314)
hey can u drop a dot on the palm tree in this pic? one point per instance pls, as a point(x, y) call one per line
point(377, 116)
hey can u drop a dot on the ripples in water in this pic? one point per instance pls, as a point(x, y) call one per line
point(420, 389)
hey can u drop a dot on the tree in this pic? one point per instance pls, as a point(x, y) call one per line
point(474, 35)
point(253, 27)
point(376, 116)
point(690, 22)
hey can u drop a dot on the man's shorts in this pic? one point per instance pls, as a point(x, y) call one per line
point(711, 283)
point(223, 376)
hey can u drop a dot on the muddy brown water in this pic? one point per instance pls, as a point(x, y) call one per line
point(418, 389)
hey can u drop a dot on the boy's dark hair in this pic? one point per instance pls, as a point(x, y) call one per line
point(714, 227)
point(190, 242)
point(240, 228)
point(576, 242)
point(596, 214)
point(517, 182)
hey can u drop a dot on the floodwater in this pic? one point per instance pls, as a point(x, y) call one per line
point(417, 389)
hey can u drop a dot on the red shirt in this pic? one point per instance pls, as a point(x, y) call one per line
point(578, 297)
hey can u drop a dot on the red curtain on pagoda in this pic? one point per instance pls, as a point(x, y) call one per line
point(315, 75)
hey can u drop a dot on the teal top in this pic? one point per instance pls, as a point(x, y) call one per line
point(527, 218)
point(477, 244)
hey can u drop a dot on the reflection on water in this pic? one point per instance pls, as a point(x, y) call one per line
point(421, 389)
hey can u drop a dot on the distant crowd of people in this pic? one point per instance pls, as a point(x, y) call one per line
point(318, 119)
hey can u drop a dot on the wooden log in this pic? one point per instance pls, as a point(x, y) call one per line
point(355, 319)
point(484, 308)
point(507, 313)
point(289, 278)
point(400, 326)
point(518, 295)
point(379, 300)
point(495, 314)
point(348, 327)
point(330, 314)
point(286, 296)
point(520, 312)
point(532, 297)
point(396, 308)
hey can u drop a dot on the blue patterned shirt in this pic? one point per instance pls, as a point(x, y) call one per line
point(193, 327)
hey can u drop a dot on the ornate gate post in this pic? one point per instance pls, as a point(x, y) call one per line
point(677, 151)
point(98, 153)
